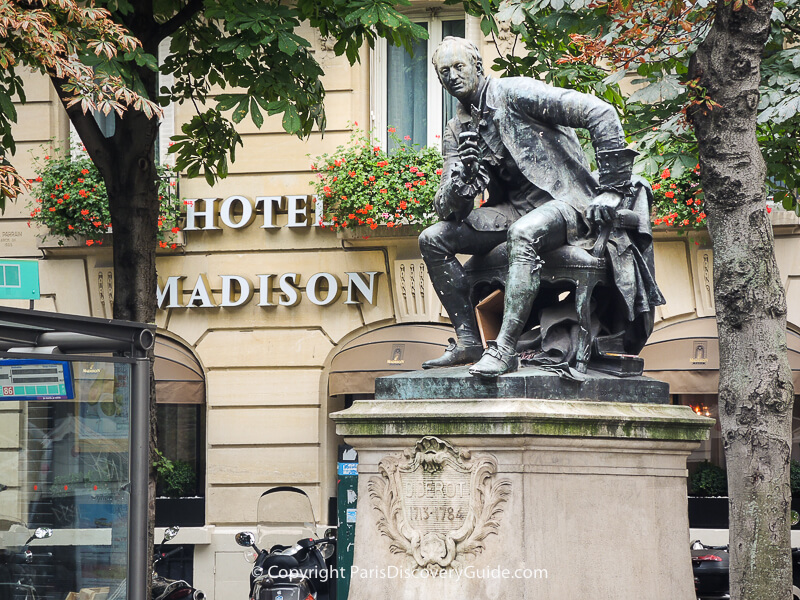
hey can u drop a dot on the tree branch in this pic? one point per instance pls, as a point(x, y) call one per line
point(182, 17)
point(99, 149)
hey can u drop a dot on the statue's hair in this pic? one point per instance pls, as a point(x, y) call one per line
point(472, 51)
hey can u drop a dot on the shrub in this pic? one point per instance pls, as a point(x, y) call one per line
point(176, 478)
point(708, 480)
point(361, 184)
point(794, 474)
point(70, 199)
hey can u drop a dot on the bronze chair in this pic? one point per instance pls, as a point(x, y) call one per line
point(568, 268)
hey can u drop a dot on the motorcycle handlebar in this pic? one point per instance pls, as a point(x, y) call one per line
point(324, 541)
point(162, 555)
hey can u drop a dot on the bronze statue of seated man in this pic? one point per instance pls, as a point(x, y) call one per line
point(514, 138)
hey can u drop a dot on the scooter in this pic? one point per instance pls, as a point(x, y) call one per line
point(710, 566)
point(284, 570)
point(16, 578)
point(170, 589)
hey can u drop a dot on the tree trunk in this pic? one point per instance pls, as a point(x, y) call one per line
point(755, 389)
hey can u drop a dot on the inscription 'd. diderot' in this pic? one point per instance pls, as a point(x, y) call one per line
point(437, 504)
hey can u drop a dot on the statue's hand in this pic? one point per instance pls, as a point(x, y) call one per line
point(603, 208)
point(469, 153)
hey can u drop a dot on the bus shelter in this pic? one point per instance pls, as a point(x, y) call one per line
point(74, 419)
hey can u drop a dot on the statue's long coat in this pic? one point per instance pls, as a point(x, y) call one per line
point(534, 123)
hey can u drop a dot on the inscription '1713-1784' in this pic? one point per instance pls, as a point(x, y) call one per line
point(437, 503)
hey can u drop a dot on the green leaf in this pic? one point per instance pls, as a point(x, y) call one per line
point(286, 44)
point(241, 111)
point(486, 26)
point(242, 52)
point(291, 120)
point(228, 101)
point(8, 107)
point(255, 113)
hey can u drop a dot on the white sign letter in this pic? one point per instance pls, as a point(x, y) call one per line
point(298, 211)
point(271, 205)
point(245, 290)
point(313, 285)
point(288, 284)
point(173, 288)
point(226, 212)
point(201, 293)
point(209, 214)
point(265, 290)
point(355, 281)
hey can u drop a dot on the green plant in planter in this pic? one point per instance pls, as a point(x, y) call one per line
point(177, 477)
point(70, 199)
point(794, 476)
point(708, 480)
point(362, 184)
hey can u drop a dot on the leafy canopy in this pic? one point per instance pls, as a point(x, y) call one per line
point(591, 45)
point(54, 37)
point(237, 58)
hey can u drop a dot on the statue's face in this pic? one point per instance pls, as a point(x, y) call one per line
point(457, 71)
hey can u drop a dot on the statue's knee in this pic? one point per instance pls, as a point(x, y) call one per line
point(432, 241)
point(519, 236)
point(425, 240)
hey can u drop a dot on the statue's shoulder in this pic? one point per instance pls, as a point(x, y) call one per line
point(515, 86)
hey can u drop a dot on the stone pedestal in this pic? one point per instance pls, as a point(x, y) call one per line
point(506, 495)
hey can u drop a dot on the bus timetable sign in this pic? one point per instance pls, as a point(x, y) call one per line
point(25, 379)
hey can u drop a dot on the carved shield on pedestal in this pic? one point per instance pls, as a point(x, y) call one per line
point(437, 504)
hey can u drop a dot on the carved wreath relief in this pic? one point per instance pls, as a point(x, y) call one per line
point(438, 504)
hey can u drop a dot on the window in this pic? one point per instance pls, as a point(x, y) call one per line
point(180, 418)
point(10, 276)
point(406, 93)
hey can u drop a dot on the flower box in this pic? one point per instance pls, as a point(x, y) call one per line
point(711, 512)
point(184, 512)
point(361, 232)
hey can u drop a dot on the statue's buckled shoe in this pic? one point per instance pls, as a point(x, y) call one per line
point(455, 355)
point(494, 363)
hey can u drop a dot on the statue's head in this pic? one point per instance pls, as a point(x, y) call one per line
point(459, 67)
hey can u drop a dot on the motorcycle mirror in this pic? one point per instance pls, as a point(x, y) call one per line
point(795, 517)
point(330, 533)
point(170, 533)
point(250, 555)
point(327, 550)
point(246, 539)
point(42, 533)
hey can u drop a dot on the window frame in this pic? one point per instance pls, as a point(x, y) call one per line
point(433, 17)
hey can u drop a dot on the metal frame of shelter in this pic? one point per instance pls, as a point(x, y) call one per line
point(37, 333)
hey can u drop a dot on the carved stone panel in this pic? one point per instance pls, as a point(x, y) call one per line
point(416, 299)
point(437, 504)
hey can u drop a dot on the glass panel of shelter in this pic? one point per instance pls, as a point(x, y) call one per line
point(66, 467)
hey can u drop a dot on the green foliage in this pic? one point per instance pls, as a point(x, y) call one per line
point(708, 480)
point(52, 38)
point(794, 475)
point(590, 47)
point(678, 199)
point(70, 199)
point(176, 478)
point(257, 50)
point(362, 184)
